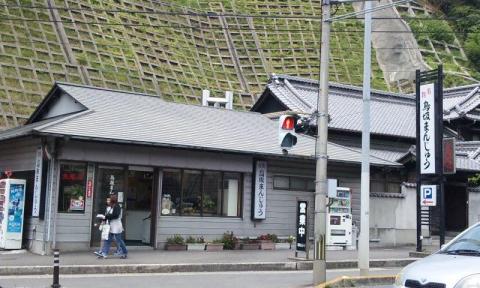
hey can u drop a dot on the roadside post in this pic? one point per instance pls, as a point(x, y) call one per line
point(56, 269)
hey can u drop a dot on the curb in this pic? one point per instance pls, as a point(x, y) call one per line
point(368, 281)
point(200, 267)
point(419, 254)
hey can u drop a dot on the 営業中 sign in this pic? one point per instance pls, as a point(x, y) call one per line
point(302, 225)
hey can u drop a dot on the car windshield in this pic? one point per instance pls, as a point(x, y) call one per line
point(468, 244)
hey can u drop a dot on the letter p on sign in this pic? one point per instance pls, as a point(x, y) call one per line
point(428, 195)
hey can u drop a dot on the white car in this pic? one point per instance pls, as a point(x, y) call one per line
point(456, 265)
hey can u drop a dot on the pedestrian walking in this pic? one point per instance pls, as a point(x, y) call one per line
point(103, 226)
point(113, 217)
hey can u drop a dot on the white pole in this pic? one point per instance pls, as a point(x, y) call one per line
point(320, 227)
point(364, 249)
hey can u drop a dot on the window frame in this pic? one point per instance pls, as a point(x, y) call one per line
point(202, 171)
point(290, 183)
point(60, 181)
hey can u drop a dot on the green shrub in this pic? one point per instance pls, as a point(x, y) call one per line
point(228, 240)
point(176, 239)
point(472, 49)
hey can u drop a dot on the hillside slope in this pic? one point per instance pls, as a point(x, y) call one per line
point(167, 50)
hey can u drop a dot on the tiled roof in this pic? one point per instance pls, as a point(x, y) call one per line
point(127, 117)
point(465, 155)
point(392, 114)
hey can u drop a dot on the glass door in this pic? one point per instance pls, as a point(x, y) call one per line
point(110, 180)
point(138, 206)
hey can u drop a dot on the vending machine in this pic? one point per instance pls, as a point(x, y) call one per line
point(12, 201)
point(339, 223)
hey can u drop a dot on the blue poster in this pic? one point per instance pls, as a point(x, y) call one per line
point(15, 208)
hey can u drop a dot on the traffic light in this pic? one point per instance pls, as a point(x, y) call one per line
point(286, 131)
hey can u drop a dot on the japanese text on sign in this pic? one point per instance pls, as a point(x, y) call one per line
point(260, 193)
point(427, 129)
point(37, 184)
point(301, 225)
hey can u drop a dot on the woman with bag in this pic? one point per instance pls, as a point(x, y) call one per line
point(113, 218)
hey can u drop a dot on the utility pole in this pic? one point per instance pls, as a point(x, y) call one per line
point(319, 261)
point(364, 241)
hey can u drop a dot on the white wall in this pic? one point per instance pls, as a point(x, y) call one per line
point(473, 207)
point(393, 220)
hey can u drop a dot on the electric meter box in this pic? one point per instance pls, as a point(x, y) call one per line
point(12, 202)
point(339, 218)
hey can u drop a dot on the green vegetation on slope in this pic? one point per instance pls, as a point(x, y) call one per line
point(176, 56)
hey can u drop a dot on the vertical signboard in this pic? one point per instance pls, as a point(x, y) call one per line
point(302, 225)
point(427, 129)
point(432, 159)
point(259, 207)
point(449, 165)
point(90, 177)
point(37, 184)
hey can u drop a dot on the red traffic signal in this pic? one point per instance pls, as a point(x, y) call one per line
point(288, 122)
point(286, 131)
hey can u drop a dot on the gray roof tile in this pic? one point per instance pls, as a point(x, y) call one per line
point(143, 119)
point(392, 114)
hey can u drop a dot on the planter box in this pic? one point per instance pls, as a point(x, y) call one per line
point(195, 246)
point(267, 245)
point(283, 246)
point(250, 246)
point(237, 246)
point(214, 247)
point(175, 247)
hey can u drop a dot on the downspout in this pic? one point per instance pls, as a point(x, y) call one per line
point(51, 199)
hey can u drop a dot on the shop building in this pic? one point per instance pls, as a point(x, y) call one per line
point(177, 169)
point(393, 138)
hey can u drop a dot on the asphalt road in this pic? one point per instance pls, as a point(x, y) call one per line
point(266, 279)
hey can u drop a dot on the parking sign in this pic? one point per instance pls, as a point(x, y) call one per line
point(428, 195)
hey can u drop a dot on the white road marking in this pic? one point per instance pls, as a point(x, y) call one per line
point(72, 276)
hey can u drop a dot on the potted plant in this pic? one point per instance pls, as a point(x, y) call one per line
point(284, 243)
point(215, 245)
point(290, 240)
point(250, 244)
point(267, 241)
point(229, 241)
point(175, 243)
point(195, 244)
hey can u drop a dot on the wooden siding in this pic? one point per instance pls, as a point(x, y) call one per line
point(19, 155)
point(153, 156)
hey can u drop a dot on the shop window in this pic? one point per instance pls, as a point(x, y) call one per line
point(293, 183)
point(71, 198)
point(172, 190)
point(191, 192)
point(201, 193)
point(231, 195)
point(281, 182)
point(212, 193)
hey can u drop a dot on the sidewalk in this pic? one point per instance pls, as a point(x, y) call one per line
point(148, 260)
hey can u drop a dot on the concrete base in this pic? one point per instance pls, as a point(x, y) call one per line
point(197, 267)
